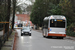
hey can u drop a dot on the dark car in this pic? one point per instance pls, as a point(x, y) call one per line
point(25, 31)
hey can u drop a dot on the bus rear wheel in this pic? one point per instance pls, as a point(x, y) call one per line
point(44, 35)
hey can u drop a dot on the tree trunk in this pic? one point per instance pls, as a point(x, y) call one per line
point(7, 18)
point(14, 6)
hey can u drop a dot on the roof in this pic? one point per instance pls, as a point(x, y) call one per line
point(55, 17)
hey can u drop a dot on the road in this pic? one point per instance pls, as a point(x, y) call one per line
point(37, 42)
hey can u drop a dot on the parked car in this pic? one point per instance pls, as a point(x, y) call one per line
point(25, 31)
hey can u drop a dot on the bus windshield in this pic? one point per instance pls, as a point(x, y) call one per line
point(57, 23)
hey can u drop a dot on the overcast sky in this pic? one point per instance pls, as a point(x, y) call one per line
point(24, 3)
point(28, 2)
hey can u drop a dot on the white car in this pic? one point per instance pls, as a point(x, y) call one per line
point(26, 30)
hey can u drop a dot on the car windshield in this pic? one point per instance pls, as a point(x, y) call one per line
point(26, 28)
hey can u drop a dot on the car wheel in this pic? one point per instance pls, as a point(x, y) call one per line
point(29, 34)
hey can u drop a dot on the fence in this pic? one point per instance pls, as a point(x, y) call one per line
point(3, 39)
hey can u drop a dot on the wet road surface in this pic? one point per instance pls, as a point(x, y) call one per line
point(37, 42)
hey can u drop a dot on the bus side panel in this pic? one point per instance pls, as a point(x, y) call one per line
point(45, 31)
point(45, 27)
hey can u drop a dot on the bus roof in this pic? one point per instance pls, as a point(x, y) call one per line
point(55, 17)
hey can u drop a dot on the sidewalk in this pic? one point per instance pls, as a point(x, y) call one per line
point(1, 33)
point(67, 37)
point(10, 44)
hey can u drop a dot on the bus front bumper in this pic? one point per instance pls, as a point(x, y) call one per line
point(60, 35)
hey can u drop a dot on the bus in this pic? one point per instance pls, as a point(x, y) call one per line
point(54, 25)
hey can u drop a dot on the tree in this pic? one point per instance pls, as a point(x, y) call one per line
point(54, 9)
point(18, 8)
point(54, 1)
point(67, 10)
point(5, 11)
point(39, 11)
point(43, 8)
point(14, 7)
point(29, 8)
point(73, 4)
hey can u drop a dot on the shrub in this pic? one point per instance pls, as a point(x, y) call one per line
point(70, 33)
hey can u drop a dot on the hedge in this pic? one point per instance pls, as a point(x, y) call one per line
point(70, 33)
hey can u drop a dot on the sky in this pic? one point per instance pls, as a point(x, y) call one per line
point(24, 3)
point(19, 2)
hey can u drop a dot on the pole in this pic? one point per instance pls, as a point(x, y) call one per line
point(3, 30)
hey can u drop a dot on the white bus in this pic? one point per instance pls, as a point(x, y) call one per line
point(54, 25)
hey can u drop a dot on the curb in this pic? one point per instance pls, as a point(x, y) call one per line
point(70, 37)
point(13, 43)
point(15, 38)
point(12, 39)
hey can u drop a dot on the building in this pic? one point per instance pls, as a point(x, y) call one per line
point(24, 19)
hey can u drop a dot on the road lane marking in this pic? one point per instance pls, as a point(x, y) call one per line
point(71, 41)
point(27, 45)
point(25, 42)
point(69, 47)
point(63, 47)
